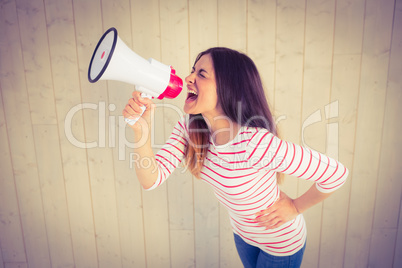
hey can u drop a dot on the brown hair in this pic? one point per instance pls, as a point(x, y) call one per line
point(241, 96)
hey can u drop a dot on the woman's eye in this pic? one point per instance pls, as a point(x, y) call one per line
point(200, 74)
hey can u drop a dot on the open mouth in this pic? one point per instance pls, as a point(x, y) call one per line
point(191, 95)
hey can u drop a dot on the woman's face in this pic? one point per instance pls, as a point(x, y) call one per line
point(202, 97)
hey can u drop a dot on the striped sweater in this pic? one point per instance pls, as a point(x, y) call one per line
point(242, 174)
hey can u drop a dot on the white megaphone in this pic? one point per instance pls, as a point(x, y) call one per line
point(114, 60)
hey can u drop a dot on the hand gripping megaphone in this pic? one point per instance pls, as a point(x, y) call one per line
point(112, 59)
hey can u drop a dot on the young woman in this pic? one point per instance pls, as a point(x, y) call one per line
point(229, 140)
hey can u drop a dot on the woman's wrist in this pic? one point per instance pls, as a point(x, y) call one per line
point(310, 198)
point(294, 204)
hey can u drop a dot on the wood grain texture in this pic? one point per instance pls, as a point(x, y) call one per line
point(388, 193)
point(70, 119)
point(13, 249)
point(69, 196)
point(21, 140)
point(54, 195)
point(372, 92)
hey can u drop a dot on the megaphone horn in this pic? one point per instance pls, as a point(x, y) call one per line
point(112, 59)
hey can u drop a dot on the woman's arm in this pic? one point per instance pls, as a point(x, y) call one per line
point(286, 209)
point(156, 168)
point(311, 197)
point(272, 153)
point(146, 174)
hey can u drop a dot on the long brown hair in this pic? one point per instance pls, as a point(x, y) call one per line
point(241, 96)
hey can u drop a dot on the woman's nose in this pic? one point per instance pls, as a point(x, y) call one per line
point(189, 79)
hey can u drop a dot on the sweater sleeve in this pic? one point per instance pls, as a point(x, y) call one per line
point(171, 154)
point(268, 152)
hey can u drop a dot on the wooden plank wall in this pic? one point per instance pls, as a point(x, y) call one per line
point(68, 193)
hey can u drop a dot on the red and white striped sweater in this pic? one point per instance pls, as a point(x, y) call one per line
point(243, 176)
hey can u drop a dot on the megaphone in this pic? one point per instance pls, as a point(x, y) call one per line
point(112, 59)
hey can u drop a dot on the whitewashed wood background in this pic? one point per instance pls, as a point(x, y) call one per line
point(333, 74)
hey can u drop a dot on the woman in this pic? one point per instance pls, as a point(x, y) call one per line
point(229, 140)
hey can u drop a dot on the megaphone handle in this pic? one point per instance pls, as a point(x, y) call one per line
point(133, 121)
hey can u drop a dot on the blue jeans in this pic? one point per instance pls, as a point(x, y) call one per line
point(253, 257)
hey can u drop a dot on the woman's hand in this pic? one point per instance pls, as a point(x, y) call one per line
point(133, 110)
point(282, 211)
